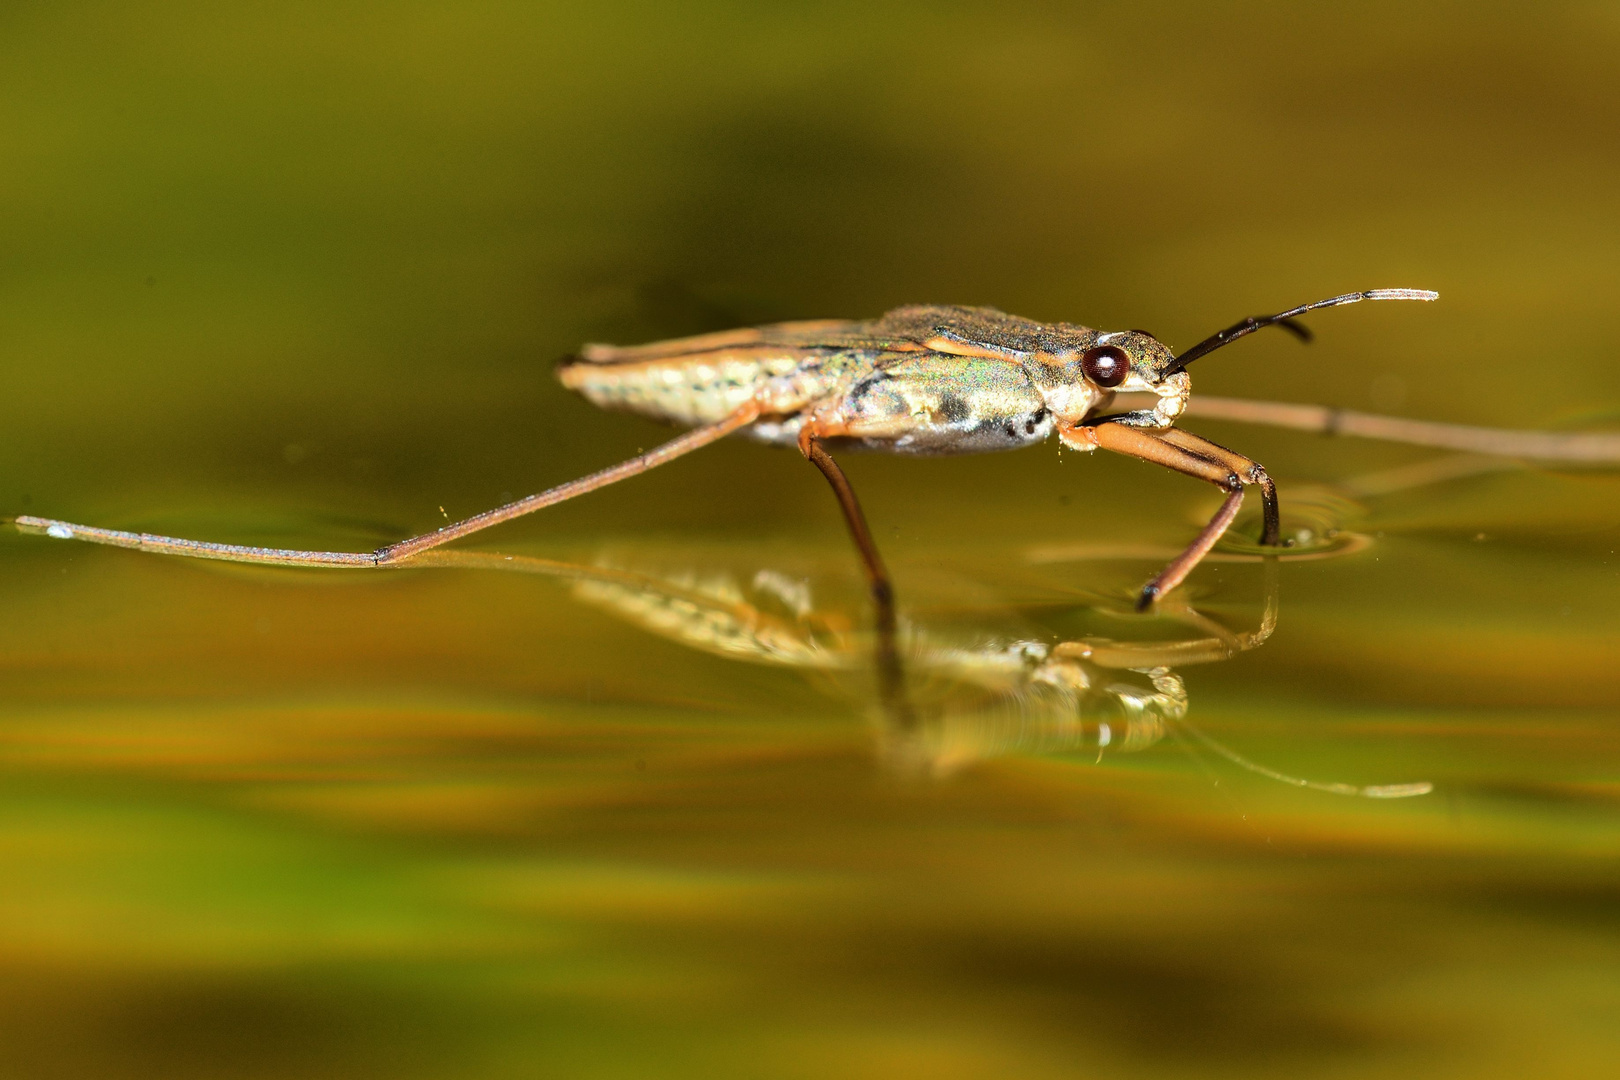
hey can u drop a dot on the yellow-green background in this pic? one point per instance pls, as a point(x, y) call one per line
point(296, 274)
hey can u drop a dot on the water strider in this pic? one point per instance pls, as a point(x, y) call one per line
point(919, 380)
point(926, 380)
point(933, 380)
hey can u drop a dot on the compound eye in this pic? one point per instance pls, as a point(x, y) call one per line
point(1106, 365)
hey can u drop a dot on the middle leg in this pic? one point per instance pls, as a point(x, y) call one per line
point(891, 675)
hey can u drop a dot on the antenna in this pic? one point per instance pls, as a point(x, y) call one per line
point(1285, 319)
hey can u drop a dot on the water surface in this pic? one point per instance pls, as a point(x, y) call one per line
point(297, 277)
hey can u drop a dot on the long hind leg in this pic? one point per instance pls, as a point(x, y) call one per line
point(396, 554)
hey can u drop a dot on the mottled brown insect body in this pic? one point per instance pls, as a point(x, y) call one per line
point(943, 380)
point(919, 380)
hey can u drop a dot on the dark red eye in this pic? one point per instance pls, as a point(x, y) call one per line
point(1106, 365)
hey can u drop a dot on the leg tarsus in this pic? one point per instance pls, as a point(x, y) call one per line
point(1271, 530)
point(195, 549)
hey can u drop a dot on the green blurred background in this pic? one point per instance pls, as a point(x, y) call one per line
point(297, 273)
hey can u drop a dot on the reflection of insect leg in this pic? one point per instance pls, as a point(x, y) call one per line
point(395, 554)
point(1189, 454)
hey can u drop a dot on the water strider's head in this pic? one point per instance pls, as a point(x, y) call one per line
point(1079, 382)
point(1135, 361)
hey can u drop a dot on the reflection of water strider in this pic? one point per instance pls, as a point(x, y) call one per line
point(973, 691)
point(972, 694)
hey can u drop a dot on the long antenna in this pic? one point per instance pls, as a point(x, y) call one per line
point(1285, 320)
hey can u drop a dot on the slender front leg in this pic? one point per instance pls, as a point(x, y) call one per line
point(1161, 448)
point(1182, 565)
point(395, 554)
point(1247, 469)
point(890, 674)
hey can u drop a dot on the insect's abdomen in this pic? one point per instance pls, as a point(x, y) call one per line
point(672, 382)
point(691, 390)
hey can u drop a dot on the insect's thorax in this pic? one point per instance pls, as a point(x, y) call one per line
point(939, 403)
